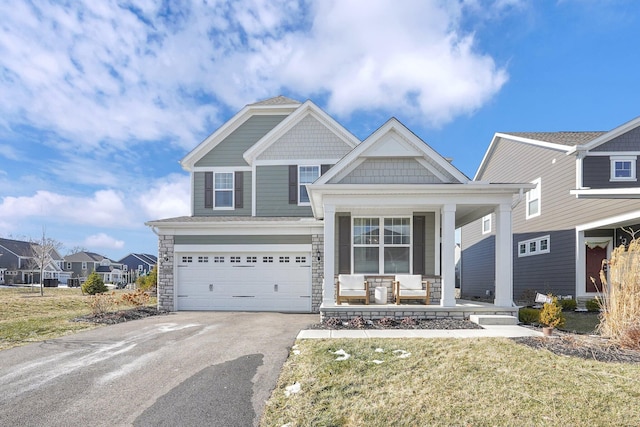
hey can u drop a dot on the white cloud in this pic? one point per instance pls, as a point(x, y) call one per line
point(104, 208)
point(102, 240)
point(166, 198)
point(108, 73)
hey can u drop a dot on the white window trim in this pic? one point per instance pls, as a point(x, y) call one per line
point(233, 192)
point(381, 245)
point(300, 184)
point(538, 183)
point(537, 241)
point(631, 159)
point(486, 218)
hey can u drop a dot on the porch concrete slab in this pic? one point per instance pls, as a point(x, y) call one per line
point(493, 319)
point(505, 331)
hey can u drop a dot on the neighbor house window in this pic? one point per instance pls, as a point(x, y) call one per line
point(223, 190)
point(84, 265)
point(537, 246)
point(623, 168)
point(533, 199)
point(486, 224)
point(306, 175)
point(386, 252)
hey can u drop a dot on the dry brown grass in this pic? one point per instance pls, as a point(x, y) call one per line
point(621, 301)
point(475, 382)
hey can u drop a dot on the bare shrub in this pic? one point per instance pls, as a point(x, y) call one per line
point(136, 298)
point(102, 303)
point(621, 301)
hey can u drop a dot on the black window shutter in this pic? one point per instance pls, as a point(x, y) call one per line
point(293, 184)
point(344, 245)
point(238, 189)
point(418, 244)
point(324, 169)
point(208, 189)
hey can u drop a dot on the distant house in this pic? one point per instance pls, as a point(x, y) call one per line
point(584, 202)
point(136, 265)
point(81, 264)
point(19, 265)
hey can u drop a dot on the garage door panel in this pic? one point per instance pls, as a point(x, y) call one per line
point(248, 282)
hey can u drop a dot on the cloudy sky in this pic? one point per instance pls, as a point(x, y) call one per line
point(101, 99)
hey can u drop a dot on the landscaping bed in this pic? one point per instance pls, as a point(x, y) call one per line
point(120, 316)
point(391, 323)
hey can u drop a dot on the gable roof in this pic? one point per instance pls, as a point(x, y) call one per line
point(409, 145)
point(84, 257)
point(559, 141)
point(17, 247)
point(306, 109)
point(277, 105)
point(608, 136)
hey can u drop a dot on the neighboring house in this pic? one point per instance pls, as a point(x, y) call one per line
point(283, 199)
point(136, 265)
point(19, 263)
point(586, 196)
point(81, 264)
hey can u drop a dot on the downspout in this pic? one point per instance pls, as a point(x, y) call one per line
point(518, 200)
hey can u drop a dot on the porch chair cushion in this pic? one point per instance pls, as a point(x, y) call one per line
point(352, 286)
point(409, 286)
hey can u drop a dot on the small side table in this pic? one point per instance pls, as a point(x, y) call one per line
point(380, 295)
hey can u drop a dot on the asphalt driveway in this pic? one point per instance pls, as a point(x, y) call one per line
point(186, 369)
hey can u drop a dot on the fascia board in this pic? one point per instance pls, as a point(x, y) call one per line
point(308, 108)
point(622, 193)
point(624, 128)
point(228, 127)
point(231, 227)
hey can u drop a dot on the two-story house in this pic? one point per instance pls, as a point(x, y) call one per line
point(136, 265)
point(284, 198)
point(584, 202)
point(81, 264)
point(20, 263)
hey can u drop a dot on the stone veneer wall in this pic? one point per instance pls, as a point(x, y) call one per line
point(317, 271)
point(409, 310)
point(165, 273)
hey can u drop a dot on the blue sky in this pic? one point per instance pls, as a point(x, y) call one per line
point(100, 100)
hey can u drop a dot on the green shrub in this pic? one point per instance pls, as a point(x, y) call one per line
point(149, 281)
point(551, 314)
point(592, 305)
point(568, 304)
point(529, 315)
point(94, 285)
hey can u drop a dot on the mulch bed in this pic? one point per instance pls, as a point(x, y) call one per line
point(390, 323)
point(114, 317)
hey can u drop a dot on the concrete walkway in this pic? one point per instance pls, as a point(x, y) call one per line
point(506, 331)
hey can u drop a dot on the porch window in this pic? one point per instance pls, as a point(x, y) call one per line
point(623, 168)
point(533, 199)
point(306, 175)
point(390, 254)
point(223, 190)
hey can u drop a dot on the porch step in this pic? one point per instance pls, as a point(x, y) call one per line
point(493, 319)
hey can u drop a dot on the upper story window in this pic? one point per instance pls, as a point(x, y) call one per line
point(306, 175)
point(486, 224)
point(84, 265)
point(623, 168)
point(68, 266)
point(533, 199)
point(387, 255)
point(223, 190)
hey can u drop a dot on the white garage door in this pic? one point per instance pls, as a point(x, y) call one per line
point(244, 281)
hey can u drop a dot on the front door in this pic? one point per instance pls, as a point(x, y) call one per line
point(594, 265)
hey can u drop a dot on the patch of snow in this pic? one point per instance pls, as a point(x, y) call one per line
point(379, 350)
point(292, 389)
point(343, 355)
point(402, 354)
point(377, 362)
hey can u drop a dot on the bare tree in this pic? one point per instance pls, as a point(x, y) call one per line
point(76, 250)
point(42, 251)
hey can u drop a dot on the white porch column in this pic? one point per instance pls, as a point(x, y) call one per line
point(328, 288)
point(448, 273)
point(504, 257)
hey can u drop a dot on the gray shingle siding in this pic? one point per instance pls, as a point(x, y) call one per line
point(198, 198)
point(272, 196)
point(596, 172)
point(229, 152)
point(390, 171)
point(629, 141)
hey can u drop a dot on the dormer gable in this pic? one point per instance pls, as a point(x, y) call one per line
point(393, 155)
point(278, 107)
point(310, 131)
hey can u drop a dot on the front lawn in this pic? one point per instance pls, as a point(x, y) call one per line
point(477, 382)
point(27, 317)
